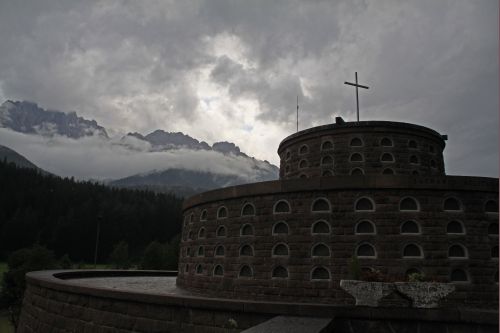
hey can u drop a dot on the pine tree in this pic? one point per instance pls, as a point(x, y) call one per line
point(119, 257)
point(154, 257)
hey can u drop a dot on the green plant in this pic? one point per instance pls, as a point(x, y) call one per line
point(154, 256)
point(65, 262)
point(161, 256)
point(421, 277)
point(417, 277)
point(119, 257)
point(172, 253)
point(21, 262)
point(231, 323)
point(354, 268)
point(374, 276)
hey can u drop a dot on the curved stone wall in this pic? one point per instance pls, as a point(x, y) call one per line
point(74, 301)
point(367, 147)
point(294, 239)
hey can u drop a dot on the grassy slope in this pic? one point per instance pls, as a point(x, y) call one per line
point(3, 268)
point(5, 326)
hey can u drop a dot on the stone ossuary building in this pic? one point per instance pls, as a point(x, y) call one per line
point(372, 189)
point(272, 254)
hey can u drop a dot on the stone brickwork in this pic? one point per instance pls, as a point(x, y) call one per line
point(293, 239)
point(370, 147)
point(342, 236)
point(53, 303)
point(57, 307)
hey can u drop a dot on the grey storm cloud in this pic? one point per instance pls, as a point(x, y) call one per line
point(96, 158)
point(273, 93)
point(143, 65)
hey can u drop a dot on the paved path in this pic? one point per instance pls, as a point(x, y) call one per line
point(288, 324)
point(158, 285)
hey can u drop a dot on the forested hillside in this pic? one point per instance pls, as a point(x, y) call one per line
point(63, 214)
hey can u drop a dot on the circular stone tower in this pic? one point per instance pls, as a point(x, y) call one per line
point(372, 189)
point(362, 148)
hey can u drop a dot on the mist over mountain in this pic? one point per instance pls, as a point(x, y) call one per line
point(68, 145)
point(161, 140)
point(185, 182)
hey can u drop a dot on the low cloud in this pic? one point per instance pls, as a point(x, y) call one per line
point(100, 159)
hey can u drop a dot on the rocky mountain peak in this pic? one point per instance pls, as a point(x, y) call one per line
point(28, 117)
point(161, 140)
point(226, 148)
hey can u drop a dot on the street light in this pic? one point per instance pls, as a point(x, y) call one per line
point(99, 218)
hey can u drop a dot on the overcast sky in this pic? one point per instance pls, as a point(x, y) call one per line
point(231, 70)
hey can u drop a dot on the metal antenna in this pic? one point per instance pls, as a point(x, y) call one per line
point(297, 113)
point(357, 86)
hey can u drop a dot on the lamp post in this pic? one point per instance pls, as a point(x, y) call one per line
point(99, 218)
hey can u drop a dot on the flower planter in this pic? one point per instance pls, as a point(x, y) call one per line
point(424, 294)
point(367, 293)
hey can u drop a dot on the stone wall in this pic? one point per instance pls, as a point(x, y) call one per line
point(56, 305)
point(49, 310)
point(372, 147)
point(252, 260)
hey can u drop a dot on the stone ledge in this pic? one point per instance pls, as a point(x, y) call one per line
point(64, 275)
point(48, 279)
point(349, 183)
point(365, 126)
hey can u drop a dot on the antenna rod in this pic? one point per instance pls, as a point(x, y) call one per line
point(357, 98)
point(297, 113)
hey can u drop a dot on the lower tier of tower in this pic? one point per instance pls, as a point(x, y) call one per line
point(295, 240)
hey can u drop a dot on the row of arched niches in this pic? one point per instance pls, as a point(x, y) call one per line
point(363, 148)
point(240, 244)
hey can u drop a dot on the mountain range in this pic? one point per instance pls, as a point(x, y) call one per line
point(184, 179)
point(163, 141)
point(28, 117)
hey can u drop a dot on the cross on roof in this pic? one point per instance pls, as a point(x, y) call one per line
point(357, 86)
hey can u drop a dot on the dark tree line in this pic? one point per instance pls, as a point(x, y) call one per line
point(63, 214)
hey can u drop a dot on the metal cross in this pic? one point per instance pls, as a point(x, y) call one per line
point(357, 86)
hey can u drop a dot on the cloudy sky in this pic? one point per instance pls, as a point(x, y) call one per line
point(231, 70)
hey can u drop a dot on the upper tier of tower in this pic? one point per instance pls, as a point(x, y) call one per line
point(365, 147)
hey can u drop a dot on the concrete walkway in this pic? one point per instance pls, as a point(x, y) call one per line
point(289, 324)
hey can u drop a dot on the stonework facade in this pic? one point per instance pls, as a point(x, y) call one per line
point(293, 239)
point(368, 147)
point(55, 302)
